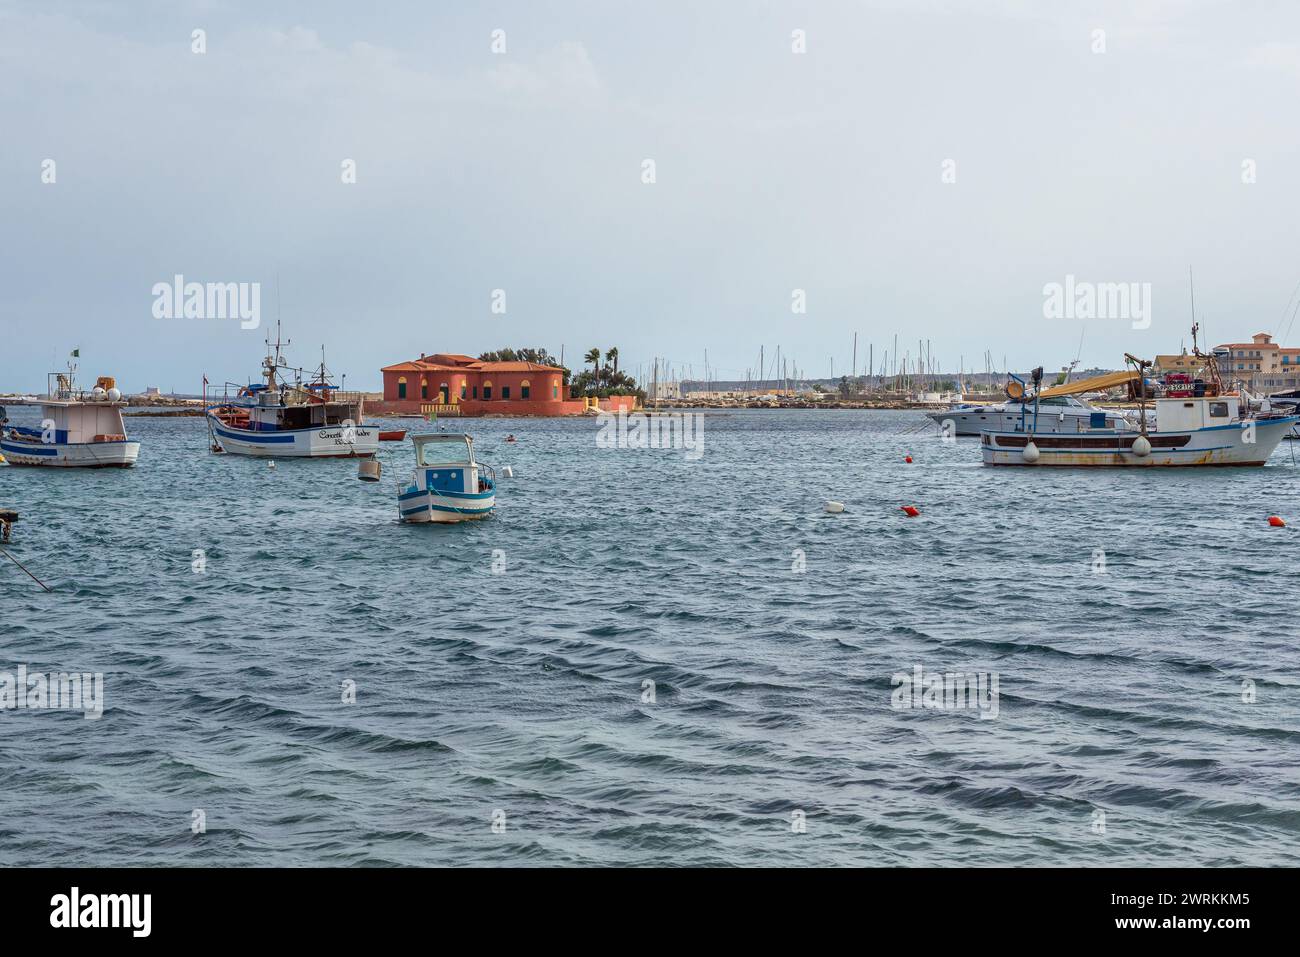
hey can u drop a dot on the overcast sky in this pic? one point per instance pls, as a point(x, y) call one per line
point(523, 171)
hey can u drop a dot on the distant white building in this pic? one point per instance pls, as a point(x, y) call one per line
point(665, 390)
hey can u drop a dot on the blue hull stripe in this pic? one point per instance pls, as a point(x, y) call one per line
point(23, 448)
point(441, 493)
point(264, 438)
point(445, 508)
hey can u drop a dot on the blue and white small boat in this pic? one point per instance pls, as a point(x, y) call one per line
point(78, 429)
point(447, 484)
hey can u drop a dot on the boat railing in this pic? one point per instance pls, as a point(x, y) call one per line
point(298, 396)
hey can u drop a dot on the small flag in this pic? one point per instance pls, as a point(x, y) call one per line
point(76, 353)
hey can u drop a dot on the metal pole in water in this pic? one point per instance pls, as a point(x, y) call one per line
point(24, 568)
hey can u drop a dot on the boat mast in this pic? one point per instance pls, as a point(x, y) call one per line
point(1211, 360)
point(274, 360)
point(1141, 365)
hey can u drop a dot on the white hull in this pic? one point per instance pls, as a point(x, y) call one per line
point(73, 455)
point(331, 441)
point(1248, 443)
point(420, 507)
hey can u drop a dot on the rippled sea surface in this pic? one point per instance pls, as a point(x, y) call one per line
point(1148, 714)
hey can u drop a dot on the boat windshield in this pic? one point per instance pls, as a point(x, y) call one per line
point(445, 452)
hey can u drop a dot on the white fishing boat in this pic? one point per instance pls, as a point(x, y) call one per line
point(78, 429)
point(1209, 429)
point(447, 483)
point(286, 417)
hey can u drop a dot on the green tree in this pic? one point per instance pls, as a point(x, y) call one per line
point(593, 356)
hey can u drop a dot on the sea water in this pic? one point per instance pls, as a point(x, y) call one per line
point(648, 657)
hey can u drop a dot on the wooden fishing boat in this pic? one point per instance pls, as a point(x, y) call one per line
point(1206, 427)
point(285, 417)
point(79, 429)
point(448, 484)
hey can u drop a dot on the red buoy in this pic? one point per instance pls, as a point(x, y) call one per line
point(911, 511)
point(1276, 521)
point(908, 460)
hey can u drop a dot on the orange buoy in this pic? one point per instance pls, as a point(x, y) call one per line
point(911, 511)
point(1276, 521)
point(908, 460)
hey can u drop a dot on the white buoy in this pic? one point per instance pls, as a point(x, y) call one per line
point(1030, 452)
point(1141, 446)
point(835, 507)
point(114, 395)
point(271, 464)
point(507, 472)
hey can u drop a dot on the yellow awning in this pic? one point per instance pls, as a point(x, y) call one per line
point(1095, 384)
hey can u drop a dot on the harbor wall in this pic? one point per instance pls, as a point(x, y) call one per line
point(479, 407)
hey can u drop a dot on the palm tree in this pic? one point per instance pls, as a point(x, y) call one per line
point(612, 356)
point(593, 356)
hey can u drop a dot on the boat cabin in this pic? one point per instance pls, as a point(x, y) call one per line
point(271, 415)
point(443, 448)
point(81, 422)
point(1187, 413)
point(447, 461)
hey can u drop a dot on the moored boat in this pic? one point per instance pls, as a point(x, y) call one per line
point(447, 483)
point(1189, 430)
point(285, 417)
point(78, 429)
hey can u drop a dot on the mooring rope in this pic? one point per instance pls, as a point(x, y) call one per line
point(24, 568)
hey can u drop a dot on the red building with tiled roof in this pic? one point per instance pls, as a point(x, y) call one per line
point(463, 385)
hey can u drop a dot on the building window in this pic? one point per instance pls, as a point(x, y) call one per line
point(462, 390)
point(524, 389)
point(401, 387)
point(505, 392)
point(446, 396)
point(487, 391)
point(424, 389)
